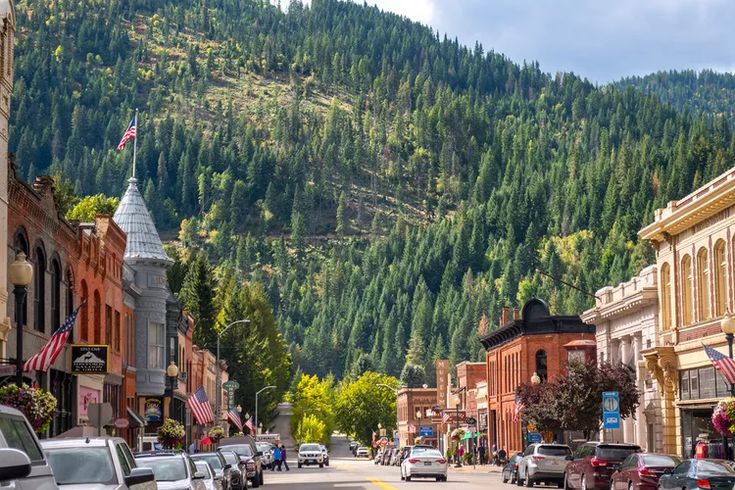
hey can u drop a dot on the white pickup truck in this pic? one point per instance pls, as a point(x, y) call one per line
point(311, 454)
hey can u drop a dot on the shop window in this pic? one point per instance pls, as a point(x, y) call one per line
point(666, 296)
point(687, 290)
point(684, 392)
point(39, 290)
point(694, 384)
point(720, 270)
point(703, 277)
point(707, 388)
point(541, 368)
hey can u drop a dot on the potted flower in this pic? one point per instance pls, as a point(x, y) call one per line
point(216, 433)
point(171, 434)
point(458, 433)
point(723, 417)
point(37, 404)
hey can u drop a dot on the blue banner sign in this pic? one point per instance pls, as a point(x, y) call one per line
point(611, 410)
point(426, 431)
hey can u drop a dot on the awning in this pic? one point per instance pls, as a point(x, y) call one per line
point(137, 420)
point(470, 435)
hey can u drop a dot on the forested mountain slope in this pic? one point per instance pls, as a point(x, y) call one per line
point(389, 187)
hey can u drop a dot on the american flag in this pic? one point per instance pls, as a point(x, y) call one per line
point(200, 407)
point(411, 429)
point(43, 359)
point(130, 133)
point(235, 418)
point(445, 417)
point(519, 406)
point(249, 425)
point(722, 363)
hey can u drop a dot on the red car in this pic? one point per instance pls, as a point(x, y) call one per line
point(594, 463)
point(640, 471)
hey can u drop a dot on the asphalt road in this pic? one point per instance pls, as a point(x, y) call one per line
point(347, 472)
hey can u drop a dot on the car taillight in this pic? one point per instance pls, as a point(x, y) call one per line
point(595, 461)
point(703, 484)
point(442, 461)
point(515, 466)
point(538, 458)
point(646, 472)
point(413, 460)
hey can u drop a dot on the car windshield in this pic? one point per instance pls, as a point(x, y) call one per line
point(204, 468)
point(240, 449)
point(230, 457)
point(263, 446)
point(309, 447)
point(659, 460)
point(79, 465)
point(165, 469)
point(714, 468)
point(616, 453)
point(212, 459)
point(554, 451)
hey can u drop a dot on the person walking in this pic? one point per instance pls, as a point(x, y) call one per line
point(277, 455)
point(283, 457)
point(460, 453)
point(482, 454)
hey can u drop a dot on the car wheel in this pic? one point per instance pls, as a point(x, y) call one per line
point(298, 464)
point(519, 480)
point(261, 478)
point(529, 482)
point(408, 478)
point(321, 465)
point(256, 481)
point(505, 480)
point(584, 482)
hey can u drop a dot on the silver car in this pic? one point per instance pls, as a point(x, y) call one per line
point(173, 471)
point(208, 479)
point(97, 463)
point(543, 463)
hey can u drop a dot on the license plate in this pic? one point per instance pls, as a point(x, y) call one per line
point(427, 463)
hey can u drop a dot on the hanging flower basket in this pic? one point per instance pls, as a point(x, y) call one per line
point(723, 417)
point(458, 433)
point(171, 434)
point(37, 404)
point(216, 433)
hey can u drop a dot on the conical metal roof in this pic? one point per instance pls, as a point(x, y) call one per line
point(133, 218)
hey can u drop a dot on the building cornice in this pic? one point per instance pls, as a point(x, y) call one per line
point(641, 299)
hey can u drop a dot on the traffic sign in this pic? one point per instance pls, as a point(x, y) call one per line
point(426, 431)
point(534, 437)
point(611, 410)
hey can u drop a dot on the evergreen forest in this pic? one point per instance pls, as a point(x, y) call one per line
point(384, 188)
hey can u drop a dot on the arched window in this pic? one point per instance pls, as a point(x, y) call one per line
point(85, 312)
point(55, 294)
point(687, 291)
point(96, 319)
point(719, 267)
point(541, 368)
point(703, 276)
point(69, 292)
point(39, 290)
point(665, 296)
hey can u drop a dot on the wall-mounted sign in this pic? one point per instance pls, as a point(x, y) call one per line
point(89, 359)
point(86, 397)
point(230, 387)
point(426, 431)
point(153, 410)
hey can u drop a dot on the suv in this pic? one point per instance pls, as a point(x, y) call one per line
point(105, 462)
point(543, 463)
point(23, 465)
point(594, 463)
point(310, 454)
point(173, 470)
point(223, 471)
point(246, 449)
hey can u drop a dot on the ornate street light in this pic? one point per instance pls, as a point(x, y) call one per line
point(20, 274)
point(172, 372)
point(535, 378)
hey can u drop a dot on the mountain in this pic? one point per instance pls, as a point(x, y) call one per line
point(391, 189)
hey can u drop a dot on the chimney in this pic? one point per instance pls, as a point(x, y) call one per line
point(516, 313)
point(506, 316)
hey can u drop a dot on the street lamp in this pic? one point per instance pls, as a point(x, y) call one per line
point(535, 378)
point(20, 273)
point(727, 324)
point(172, 372)
point(218, 381)
point(269, 387)
point(239, 408)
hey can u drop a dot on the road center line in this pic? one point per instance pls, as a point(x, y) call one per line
point(381, 484)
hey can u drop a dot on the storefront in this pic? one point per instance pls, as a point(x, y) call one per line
point(62, 387)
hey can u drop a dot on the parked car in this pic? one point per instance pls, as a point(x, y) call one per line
point(23, 466)
point(378, 456)
point(510, 470)
point(246, 448)
point(173, 471)
point(641, 471)
point(310, 454)
point(102, 462)
point(543, 463)
point(699, 474)
point(238, 470)
point(594, 462)
point(223, 471)
point(395, 459)
point(424, 463)
point(387, 454)
point(325, 453)
point(362, 452)
point(208, 479)
point(267, 449)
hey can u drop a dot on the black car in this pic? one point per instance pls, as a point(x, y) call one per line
point(238, 479)
point(247, 450)
point(709, 474)
point(223, 470)
point(510, 470)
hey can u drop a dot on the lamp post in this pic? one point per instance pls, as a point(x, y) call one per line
point(20, 273)
point(172, 372)
point(269, 387)
point(535, 378)
point(218, 372)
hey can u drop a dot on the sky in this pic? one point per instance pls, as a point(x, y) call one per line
point(602, 40)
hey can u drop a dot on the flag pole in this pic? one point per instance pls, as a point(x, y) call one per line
point(135, 141)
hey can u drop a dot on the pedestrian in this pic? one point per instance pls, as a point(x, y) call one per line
point(193, 447)
point(482, 454)
point(276, 459)
point(460, 453)
point(283, 457)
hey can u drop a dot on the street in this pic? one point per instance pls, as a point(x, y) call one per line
point(348, 472)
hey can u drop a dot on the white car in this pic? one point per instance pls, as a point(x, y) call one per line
point(311, 454)
point(362, 452)
point(209, 481)
point(267, 449)
point(543, 463)
point(424, 463)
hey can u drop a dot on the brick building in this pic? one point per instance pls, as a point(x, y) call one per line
point(533, 341)
point(411, 402)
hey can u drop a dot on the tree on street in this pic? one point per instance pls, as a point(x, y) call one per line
point(363, 404)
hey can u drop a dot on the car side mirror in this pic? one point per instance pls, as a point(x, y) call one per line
point(14, 464)
point(139, 476)
point(668, 471)
point(199, 475)
point(259, 453)
point(569, 458)
point(227, 466)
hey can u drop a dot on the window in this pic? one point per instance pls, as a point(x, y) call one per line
point(707, 388)
point(155, 345)
point(694, 384)
point(117, 334)
point(687, 291)
point(18, 435)
point(39, 290)
point(108, 325)
point(684, 385)
point(69, 292)
point(82, 465)
point(55, 294)
point(666, 296)
point(703, 277)
point(97, 319)
point(124, 463)
point(541, 369)
point(85, 312)
point(130, 336)
point(720, 269)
